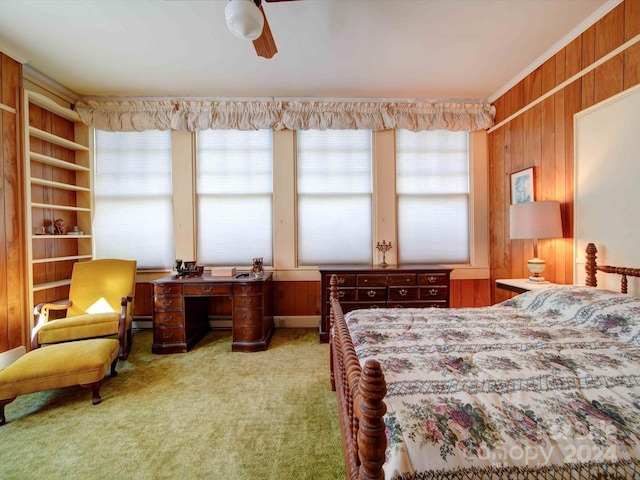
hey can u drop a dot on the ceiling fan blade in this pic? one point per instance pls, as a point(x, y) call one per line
point(265, 45)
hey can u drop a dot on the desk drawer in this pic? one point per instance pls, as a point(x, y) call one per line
point(247, 317)
point(207, 290)
point(168, 335)
point(247, 301)
point(247, 289)
point(167, 303)
point(167, 289)
point(169, 319)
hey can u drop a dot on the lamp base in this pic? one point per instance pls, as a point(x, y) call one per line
point(534, 279)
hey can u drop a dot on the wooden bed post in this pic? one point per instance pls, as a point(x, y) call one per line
point(372, 439)
point(333, 294)
point(591, 266)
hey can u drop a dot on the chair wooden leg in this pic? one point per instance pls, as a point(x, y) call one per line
point(125, 345)
point(7, 401)
point(113, 372)
point(95, 389)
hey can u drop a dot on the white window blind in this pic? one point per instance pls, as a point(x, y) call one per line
point(133, 201)
point(234, 188)
point(334, 189)
point(432, 187)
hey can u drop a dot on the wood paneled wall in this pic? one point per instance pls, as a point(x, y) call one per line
point(542, 137)
point(12, 252)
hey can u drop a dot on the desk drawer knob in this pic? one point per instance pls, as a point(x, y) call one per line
point(341, 293)
point(403, 292)
point(168, 319)
point(341, 280)
point(371, 293)
point(166, 303)
point(167, 335)
point(431, 279)
point(433, 291)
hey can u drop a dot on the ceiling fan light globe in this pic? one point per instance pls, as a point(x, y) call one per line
point(244, 19)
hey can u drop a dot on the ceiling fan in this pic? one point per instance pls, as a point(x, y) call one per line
point(246, 19)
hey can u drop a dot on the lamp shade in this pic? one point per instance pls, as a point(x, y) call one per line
point(535, 220)
point(244, 19)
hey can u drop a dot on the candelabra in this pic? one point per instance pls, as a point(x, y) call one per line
point(384, 247)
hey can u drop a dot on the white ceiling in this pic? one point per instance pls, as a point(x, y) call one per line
point(339, 49)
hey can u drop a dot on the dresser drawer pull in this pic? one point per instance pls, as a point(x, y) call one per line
point(166, 303)
point(207, 289)
point(341, 293)
point(433, 291)
point(371, 293)
point(167, 334)
point(403, 292)
point(166, 290)
point(168, 319)
point(408, 280)
point(341, 280)
point(247, 301)
point(432, 279)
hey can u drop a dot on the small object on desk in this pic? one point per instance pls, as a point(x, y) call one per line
point(223, 271)
point(190, 269)
point(242, 275)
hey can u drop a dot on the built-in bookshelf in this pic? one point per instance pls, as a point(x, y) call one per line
point(59, 185)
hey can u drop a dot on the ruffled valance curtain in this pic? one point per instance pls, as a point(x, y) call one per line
point(127, 116)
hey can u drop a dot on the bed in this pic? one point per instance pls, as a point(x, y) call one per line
point(544, 385)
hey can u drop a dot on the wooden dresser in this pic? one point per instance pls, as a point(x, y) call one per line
point(181, 306)
point(376, 287)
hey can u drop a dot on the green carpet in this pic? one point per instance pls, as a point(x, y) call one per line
point(206, 414)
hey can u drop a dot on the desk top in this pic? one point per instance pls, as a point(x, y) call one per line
point(207, 278)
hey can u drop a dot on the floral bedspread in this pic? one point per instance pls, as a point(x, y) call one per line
point(545, 385)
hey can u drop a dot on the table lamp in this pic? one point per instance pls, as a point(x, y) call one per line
point(534, 220)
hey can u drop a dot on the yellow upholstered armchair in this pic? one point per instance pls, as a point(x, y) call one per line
point(100, 304)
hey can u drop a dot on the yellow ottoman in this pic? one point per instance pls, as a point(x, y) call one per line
point(83, 362)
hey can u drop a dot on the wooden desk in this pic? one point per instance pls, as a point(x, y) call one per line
point(521, 285)
point(180, 311)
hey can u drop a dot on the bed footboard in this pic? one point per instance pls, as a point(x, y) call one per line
point(359, 393)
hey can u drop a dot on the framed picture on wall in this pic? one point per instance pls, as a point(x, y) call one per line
point(522, 190)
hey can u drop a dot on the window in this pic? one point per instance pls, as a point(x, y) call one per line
point(334, 188)
point(234, 189)
point(432, 188)
point(133, 202)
